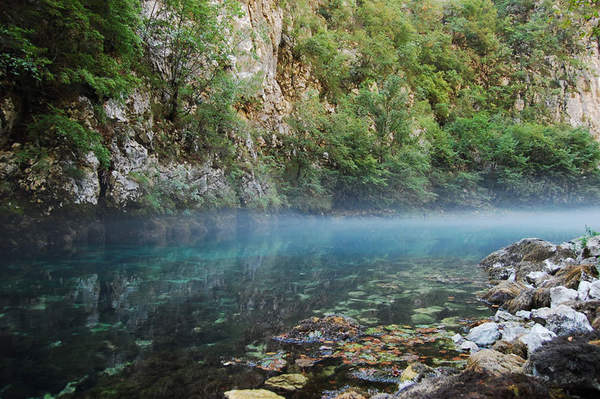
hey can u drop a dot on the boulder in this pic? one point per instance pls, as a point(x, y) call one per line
point(471, 384)
point(484, 334)
point(515, 347)
point(523, 301)
point(503, 292)
point(502, 315)
point(523, 314)
point(469, 346)
point(592, 248)
point(571, 276)
point(287, 382)
point(562, 320)
point(560, 295)
point(571, 362)
point(252, 394)
point(536, 278)
point(583, 291)
point(512, 330)
point(594, 291)
point(536, 337)
point(495, 363)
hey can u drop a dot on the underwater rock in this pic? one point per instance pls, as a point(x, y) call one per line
point(251, 394)
point(562, 320)
point(560, 295)
point(536, 337)
point(287, 382)
point(571, 276)
point(421, 318)
point(484, 334)
point(494, 362)
point(416, 372)
point(350, 395)
point(571, 362)
point(315, 329)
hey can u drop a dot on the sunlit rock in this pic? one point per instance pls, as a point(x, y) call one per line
point(536, 337)
point(252, 394)
point(485, 334)
point(494, 362)
point(562, 320)
point(560, 295)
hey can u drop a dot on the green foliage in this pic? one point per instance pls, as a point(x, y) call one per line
point(57, 129)
point(192, 37)
point(51, 46)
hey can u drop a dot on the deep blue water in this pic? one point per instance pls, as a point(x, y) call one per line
point(112, 321)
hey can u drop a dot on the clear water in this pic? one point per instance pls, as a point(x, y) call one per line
point(191, 321)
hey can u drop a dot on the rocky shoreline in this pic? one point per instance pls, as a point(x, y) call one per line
point(543, 341)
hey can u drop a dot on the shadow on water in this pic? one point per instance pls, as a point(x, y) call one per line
point(160, 314)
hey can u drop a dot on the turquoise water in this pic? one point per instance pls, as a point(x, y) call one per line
point(195, 320)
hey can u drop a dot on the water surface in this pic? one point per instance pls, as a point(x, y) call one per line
point(164, 321)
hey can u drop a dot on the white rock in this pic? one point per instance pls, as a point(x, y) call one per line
point(594, 291)
point(536, 278)
point(593, 246)
point(512, 330)
point(502, 315)
point(560, 295)
point(524, 314)
point(552, 267)
point(536, 337)
point(583, 292)
point(562, 320)
point(469, 346)
point(485, 334)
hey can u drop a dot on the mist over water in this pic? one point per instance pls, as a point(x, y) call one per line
point(85, 316)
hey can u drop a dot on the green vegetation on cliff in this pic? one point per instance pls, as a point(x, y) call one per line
point(424, 103)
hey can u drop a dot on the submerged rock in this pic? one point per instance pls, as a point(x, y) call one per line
point(512, 330)
point(494, 362)
point(416, 372)
point(287, 382)
point(515, 347)
point(469, 346)
point(503, 292)
point(252, 394)
point(485, 334)
point(329, 328)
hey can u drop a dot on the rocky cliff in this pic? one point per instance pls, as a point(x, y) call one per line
point(149, 164)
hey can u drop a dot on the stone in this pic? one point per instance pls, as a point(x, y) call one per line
point(251, 394)
point(469, 346)
point(523, 301)
point(594, 291)
point(571, 276)
point(562, 320)
point(593, 246)
point(503, 292)
point(536, 278)
point(512, 330)
point(329, 328)
point(287, 382)
point(560, 295)
point(523, 314)
point(350, 395)
point(515, 347)
point(502, 315)
point(583, 291)
point(457, 339)
point(484, 334)
point(571, 362)
point(495, 363)
point(536, 337)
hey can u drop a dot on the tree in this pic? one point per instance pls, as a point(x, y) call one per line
point(189, 43)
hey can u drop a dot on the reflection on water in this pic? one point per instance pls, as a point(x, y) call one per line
point(177, 313)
